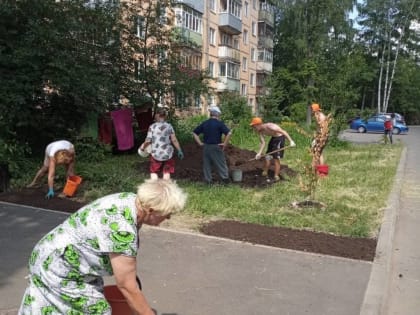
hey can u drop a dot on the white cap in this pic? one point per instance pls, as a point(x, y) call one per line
point(215, 109)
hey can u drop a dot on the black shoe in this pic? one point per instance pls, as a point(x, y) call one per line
point(226, 181)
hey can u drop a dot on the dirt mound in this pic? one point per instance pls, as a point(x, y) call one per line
point(190, 168)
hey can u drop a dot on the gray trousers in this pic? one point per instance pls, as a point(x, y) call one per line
point(213, 155)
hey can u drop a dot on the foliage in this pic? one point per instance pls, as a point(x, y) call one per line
point(54, 67)
point(386, 32)
point(13, 155)
point(234, 108)
point(406, 93)
point(152, 69)
point(321, 56)
point(184, 127)
point(89, 150)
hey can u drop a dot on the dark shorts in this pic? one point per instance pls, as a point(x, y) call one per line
point(276, 143)
point(164, 166)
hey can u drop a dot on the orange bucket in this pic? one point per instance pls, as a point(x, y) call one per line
point(322, 170)
point(71, 185)
point(117, 300)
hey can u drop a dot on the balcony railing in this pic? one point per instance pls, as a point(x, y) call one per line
point(266, 16)
point(265, 42)
point(187, 36)
point(227, 84)
point(226, 52)
point(230, 23)
point(263, 66)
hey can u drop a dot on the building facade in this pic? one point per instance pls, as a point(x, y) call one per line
point(234, 44)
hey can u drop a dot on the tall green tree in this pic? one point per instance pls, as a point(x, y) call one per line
point(386, 33)
point(311, 38)
point(55, 67)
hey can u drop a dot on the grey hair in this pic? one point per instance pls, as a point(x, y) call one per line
point(161, 195)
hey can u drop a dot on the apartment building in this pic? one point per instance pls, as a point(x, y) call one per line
point(234, 42)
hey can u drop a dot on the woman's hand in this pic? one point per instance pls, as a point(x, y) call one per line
point(50, 193)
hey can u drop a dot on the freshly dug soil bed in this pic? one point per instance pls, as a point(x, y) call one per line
point(302, 240)
point(190, 168)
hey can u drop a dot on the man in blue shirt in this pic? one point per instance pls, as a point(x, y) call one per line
point(213, 147)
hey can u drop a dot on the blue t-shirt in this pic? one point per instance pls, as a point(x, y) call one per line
point(212, 130)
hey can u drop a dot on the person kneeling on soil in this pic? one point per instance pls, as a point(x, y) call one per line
point(67, 266)
point(59, 152)
point(275, 147)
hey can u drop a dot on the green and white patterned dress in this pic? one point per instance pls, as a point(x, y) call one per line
point(67, 265)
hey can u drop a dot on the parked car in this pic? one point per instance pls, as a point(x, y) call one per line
point(398, 117)
point(376, 124)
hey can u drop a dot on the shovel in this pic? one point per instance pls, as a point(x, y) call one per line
point(278, 150)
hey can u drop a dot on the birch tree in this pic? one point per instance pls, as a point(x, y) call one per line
point(386, 33)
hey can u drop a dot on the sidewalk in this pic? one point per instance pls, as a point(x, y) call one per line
point(191, 274)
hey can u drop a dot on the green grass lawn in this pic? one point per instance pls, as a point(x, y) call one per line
point(355, 191)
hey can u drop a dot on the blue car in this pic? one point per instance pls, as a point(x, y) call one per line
point(376, 124)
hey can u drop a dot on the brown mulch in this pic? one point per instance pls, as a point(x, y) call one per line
point(190, 168)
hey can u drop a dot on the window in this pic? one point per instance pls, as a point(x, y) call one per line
point(254, 28)
point(140, 27)
point(246, 7)
point(228, 69)
point(254, 4)
point(226, 40)
point(253, 54)
point(244, 63)
point(250, 102)
point(212, 36)
point(265, 55)
point(234, 7)
point(212, 5)
point(139, 70)
point(243, 89)
point(236, 43)
point(245, 37)
point(189, 18)
point(211, 100)
point(211, 69)
point(162, 16)
point(252, 79)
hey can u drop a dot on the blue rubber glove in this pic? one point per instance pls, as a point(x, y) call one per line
point(180, 154)
point(50, 193)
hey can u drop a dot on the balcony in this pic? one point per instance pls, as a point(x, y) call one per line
point(261, 91)
point(229, 23)
point(264, 66)
point(265, 42)
point(226, 52)
point(187, 36)
point(265, 15)
point(227, 84)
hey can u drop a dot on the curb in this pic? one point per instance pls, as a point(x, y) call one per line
point(376, 292)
